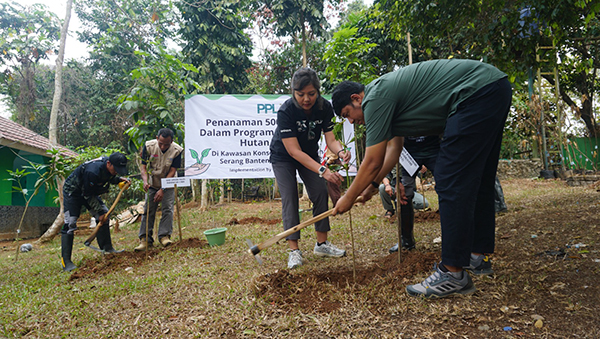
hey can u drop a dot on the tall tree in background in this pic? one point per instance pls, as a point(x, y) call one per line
point(27, 35)
point(52, 127)
point(216, 44)
point(117, 31)
point(293, 17)
point(499, 33)
point(273, 73)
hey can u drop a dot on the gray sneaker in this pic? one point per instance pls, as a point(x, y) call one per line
point(328, 250)
point(480, 265)
point(442, 284)
point(295, 259)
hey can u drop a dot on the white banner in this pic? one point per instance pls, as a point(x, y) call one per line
point(228, 136)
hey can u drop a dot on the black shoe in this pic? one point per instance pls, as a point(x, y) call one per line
point(406, 245)
point(104, 241)
point(66, 248)
point(480, 265)
point(112, 250)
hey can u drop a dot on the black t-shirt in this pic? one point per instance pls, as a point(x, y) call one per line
point(292, 122)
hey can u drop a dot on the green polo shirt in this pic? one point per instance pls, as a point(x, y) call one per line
point(416, 100)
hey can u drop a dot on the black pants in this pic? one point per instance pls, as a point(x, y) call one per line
point(465, 172)
point(72, 211)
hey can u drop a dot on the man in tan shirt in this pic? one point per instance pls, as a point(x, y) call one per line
point(160, 159)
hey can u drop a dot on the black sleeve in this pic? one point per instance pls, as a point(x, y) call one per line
point(89, 180)
point(328, 124)
point(145, 155)
point(285, 121)
point(177, 161)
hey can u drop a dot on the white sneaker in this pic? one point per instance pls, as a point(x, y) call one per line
point(295, 259)
point(328, 250)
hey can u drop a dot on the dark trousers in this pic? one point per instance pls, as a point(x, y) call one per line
point(409, 181)
point(465, 172)
point(72, 209)
point(285, 174)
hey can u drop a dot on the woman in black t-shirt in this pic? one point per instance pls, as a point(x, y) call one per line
point(294, 148)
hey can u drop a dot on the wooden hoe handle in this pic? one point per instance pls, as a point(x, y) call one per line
point(101, 221)
point(254, 250)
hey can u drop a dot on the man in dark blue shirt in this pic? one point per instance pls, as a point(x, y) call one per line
point(82, 188)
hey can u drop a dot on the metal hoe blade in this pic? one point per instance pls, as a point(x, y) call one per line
point(256, 256)
point(90, 246)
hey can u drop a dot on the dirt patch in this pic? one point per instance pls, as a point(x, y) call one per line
point(321, 291)
point(427, 216)
point(109, 263)
point(254, 220)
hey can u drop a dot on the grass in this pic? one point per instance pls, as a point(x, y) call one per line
point(209, 292)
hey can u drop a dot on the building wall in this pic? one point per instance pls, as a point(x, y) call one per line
point(5, 185)
point(15, 198)
point(37, 220)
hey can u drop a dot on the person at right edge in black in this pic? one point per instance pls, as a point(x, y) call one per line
point(82, 188)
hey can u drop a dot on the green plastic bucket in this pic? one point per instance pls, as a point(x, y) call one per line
point(216, 236)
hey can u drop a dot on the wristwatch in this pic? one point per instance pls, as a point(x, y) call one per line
point(322, 170)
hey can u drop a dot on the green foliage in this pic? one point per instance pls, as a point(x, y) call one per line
point(215, 43)
point(498, 33)
point(272, 74)
point(126, 39)
point(27, 33)
point(289, 17)
point(115, 30)
point(391, 50)
point(156, 100)
point(345, 57)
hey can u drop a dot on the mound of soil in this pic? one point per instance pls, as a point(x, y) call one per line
point(114, 262)
point(254, 220)
point(310, 291)
point(427, 216)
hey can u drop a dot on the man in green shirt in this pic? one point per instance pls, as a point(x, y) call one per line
point(465, 101)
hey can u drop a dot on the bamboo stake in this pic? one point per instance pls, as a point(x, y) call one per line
point(178, 215)
point(353, 253)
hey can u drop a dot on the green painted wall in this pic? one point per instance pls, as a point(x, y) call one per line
point(5, 185)
point(13, 162)
point(583, 153)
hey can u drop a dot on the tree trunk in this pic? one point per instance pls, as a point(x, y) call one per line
point(195, 190)
point(52, 128)
point(222, 196)
point(585, 112)
point(275, 189)
point(60, 218)
point(27, 95)
point(304, 62)
point(304, 193)
point(204, 198)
